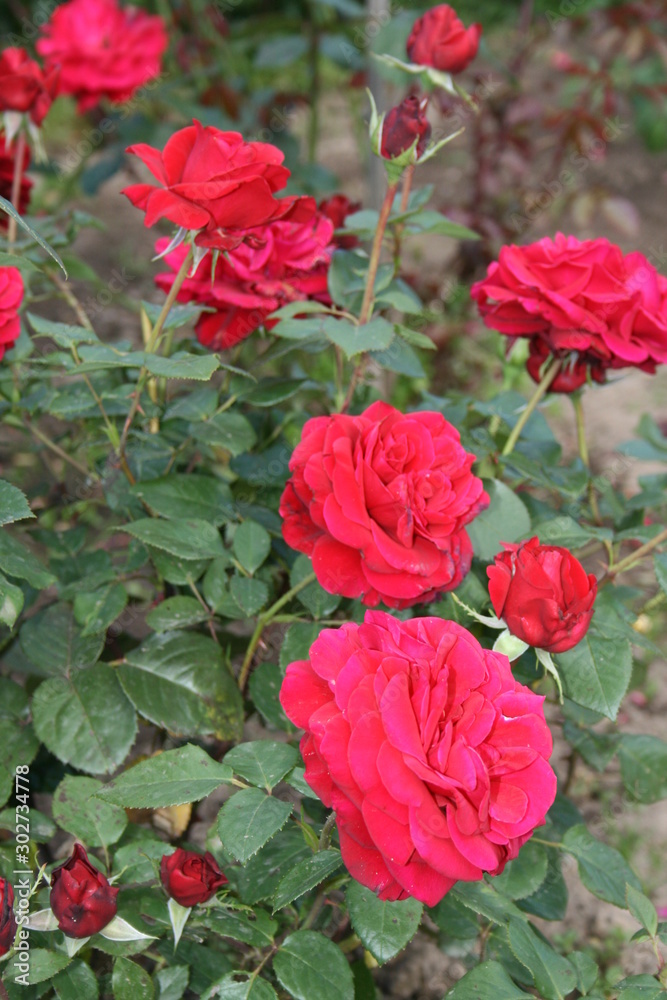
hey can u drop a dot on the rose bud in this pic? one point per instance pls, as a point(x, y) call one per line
point(441, 40)
point(7, 919)
point(189, 877)
point(543, 594)
point(81, 898)
point(402, 125)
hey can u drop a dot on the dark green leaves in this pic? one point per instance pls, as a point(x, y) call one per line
point(644, 767)
point(252, 544)
point(552, 974)
point(602, 869)
point(505, 520)
point(185, 497)
point(596, 673)
point(54, 642)
point(306, 875)
point(171, 778)
point(487, 981)
point(13, 504)
point(311, 967)
point(185, 539)
point(248, 819)
point(262, 762)
point(96, 823)
point(385, 928)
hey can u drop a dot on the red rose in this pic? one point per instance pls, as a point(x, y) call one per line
point(103, 50)
point(7, 918)
point(379, 503)
point(81, 898)
point(543, 594)
point(441, 40)
point(289, 262)
point(402, 125)
point(216, 183)
point(584, 302)
point(337, 208)
point(24, 87)
point(7, 178)
point(11, 295)
point(190, 878)
point(432, 755)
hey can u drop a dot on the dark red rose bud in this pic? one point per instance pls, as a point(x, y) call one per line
point(441, 40)
point(402, 125)
point(543, 594)
point(337, 208)
point(24, 87)
point(573, 373)
point(81, 898)
point(7, 919)
point(189, 877)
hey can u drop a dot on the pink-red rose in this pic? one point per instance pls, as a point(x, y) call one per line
point(441, 40)
point(11, 296)
point(24, 86)
point(433, 757)
point(7, 159)
point(217, 184)
point(403, 125)
point(543, 594)
point(7, 918)
point(102, 49)
point(379, 503)
point(189, 877)
point(288, 262)
point(583, 302)
point(82, 899)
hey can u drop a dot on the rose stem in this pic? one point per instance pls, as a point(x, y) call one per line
point(405, 198)
point(264, 620)
point(327, 830)
point(583, 452)
point(150, 347)
point(547, 379)
point(636, 556)
point(373, 264)
point(16, 186)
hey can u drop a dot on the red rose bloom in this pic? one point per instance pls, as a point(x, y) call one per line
point(403, 125)
point(7, 178)
point(289, 263)
point(216, 183)
point(543, 594)
point(432, 755)
point(81, 898)
point(190, 878)
point(11, 295)
point(102, 49)
point(24, 87)
point(337, 208)
point(379, 503)
point(441, 40)
point(7, 918)
point(584, 302)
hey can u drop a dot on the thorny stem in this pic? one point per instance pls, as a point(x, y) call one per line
point(637, 555)
point(541, 390)
point(264, 620)
point(19, 153)
point(327, 831)
point(583, 452)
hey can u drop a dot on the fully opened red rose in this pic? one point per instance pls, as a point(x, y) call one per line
point(24, 86)
point(11, 295)
point(441, 40)
point(433, 757)
point(102, 49)
point(217, 184)
point(289, 263)
point(7, 156)
point(81, 897)
point(543, 594)
point(189, 877)
point(379, 503)
point(584, 302)
point(7, 918)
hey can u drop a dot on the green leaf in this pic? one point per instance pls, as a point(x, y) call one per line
point(435, 223)
point(13, 504)
point(271, 392)
point(76, 982)
point(196, 404)
point(640, 988)
point(179, 682)
point(10, 210)
point(185, 539)
point(90, 820)
point(482, 898)
point(596, 673)
point(375, 335)
point(260, 877)
point(597, 749)
point(505, 520)
point(139, 861)
point(642, 909)
point(251, 989)
point(644, 767)
point(248, 820)
point(172, 982)
point(96, 611)
point(525, 874)
point(186, 496)
point(17, 560)
point(385, 928)
point(54, 642)
point(297, 642)
point(45, 964)
point(131, 982)
point(549, 901)
point(399, 357)
point(85, 720)
point(251, 544)
point(250, 595)
point(64, 334)
point(660, 564)
point(314, 598)
point(585, 968)
point(11, 602)
point(172, 778)
point(230, 431)
point(305, 876)
point(264, 687)
point(262, 762)
point(311, 967)
point(183, 365)
point(487, 981)
point(602, 869)
point(551, 973)
point(179, 314)
point(176, 612)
